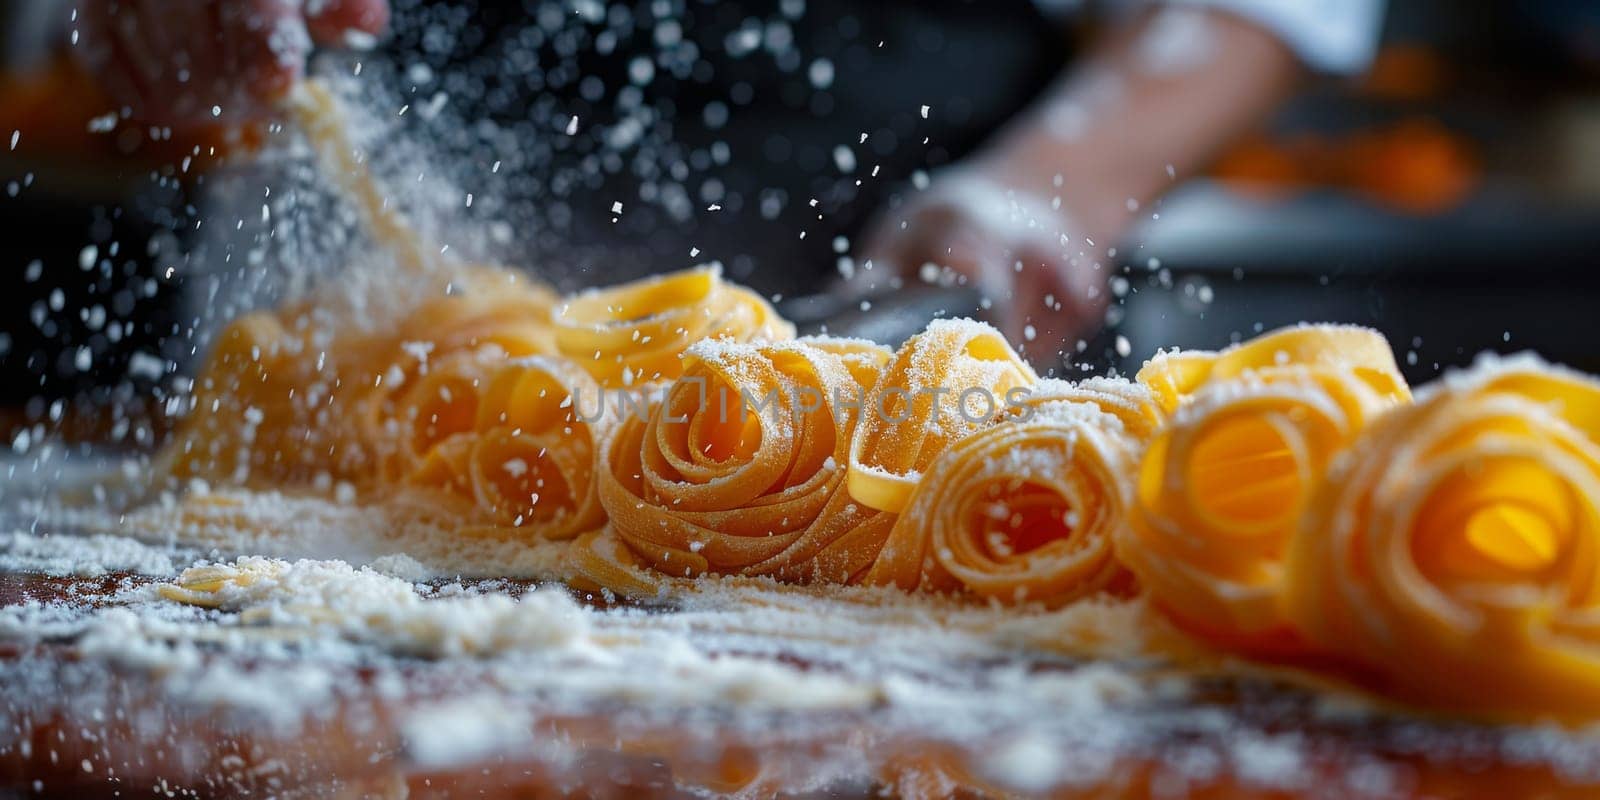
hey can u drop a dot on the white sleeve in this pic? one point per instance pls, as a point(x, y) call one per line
point(1336, 36)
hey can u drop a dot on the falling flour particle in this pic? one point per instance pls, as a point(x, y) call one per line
point(821, 73)
point(844, 158)
point(360, 40)
point(145, 365)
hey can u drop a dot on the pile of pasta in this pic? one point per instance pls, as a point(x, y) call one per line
point(1285, 499)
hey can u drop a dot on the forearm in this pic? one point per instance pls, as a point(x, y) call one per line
point(1152, 103)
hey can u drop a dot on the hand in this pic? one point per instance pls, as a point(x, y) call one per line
point(185, 62)
point(1042, 280)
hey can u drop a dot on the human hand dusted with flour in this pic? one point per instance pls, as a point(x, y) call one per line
point(1038, 275)
point(188, 62)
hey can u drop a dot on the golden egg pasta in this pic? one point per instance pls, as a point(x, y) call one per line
point(1221, 489)
point(943, 383)
point(739, 468)
point(635, 333)
point(1282, 499)
point(1453, 552)
point(524, 453)
point(1024, 510)
point(1174, 377)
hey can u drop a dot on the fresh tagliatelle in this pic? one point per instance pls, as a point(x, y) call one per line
point(943, 384)
point(254, 372)
point(1281, 499)
point(1454, 552)
point(1133, 404)
point(1174, 377)
point(634, 333)
point(1221, 489)
point(426, 387)
point(739, 468)
point(1024, 510)
point(291, 398)
point(521, 446)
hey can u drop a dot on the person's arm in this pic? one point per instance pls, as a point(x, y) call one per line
point(1152, 103)
point(1113, 127)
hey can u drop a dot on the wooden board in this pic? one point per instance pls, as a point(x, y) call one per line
point(76, 724)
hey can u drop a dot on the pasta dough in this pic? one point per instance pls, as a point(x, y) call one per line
point(1221, 489)
point(1453, 552)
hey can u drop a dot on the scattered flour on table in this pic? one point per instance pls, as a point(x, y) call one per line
point(82, 556)
point(1041, 699)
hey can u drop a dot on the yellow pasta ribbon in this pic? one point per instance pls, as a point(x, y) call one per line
point(1176, 376)
point(636, 332)
point(521, 447)
point(430, 407)
point(600, 562)
point(1454, 553)
point(294, 399)
point(943, 384)
point(863, 358)
point(249, 367)
point(1022, 511)
point(1133, 404)
point(486, 307)
point(205, 586)
point(427, 382)
point(1221, 488)
point(271, 405)
point(739, 468)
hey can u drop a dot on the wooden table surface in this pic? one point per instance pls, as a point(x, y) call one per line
point(76, 726)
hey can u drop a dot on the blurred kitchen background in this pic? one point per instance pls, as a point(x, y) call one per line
point(1450, 198)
